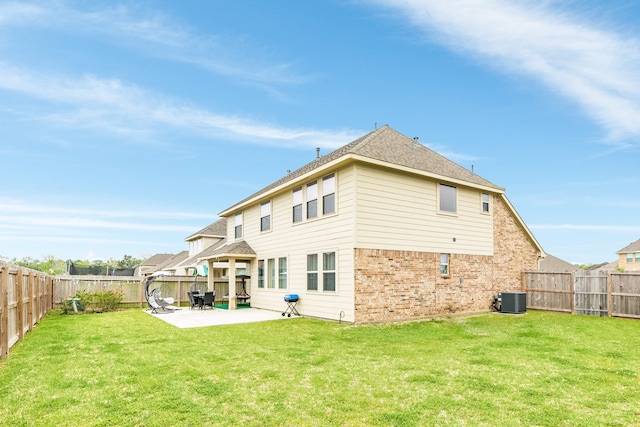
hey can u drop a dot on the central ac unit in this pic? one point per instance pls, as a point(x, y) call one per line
point(510, 302)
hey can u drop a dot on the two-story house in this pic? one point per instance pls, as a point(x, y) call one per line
point(629, 257)
point(382, 229)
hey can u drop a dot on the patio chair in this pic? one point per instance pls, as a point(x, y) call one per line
point(154, 298)
point(208, 299)
point(165, 303)
point(192, 299)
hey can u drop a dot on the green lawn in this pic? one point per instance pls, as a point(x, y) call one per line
point(128, 368)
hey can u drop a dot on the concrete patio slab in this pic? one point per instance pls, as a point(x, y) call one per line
point(188, 318)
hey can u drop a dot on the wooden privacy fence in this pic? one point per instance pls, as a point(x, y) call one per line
point(132, 287)
point(25, 298)
point(598, 294)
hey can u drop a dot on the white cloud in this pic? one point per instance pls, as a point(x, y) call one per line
point(153, 33)
point(117, 107)
point(596, 68)
point(16, 206)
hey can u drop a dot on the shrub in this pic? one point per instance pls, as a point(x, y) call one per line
point(96, 302)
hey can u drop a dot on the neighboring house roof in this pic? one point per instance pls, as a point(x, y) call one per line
point(217, 229)
point(384, 146)
point(170, 263)
point(156, 260)
point(596, 266)
point(631, 247)
point(551, 263)
point(611, 266)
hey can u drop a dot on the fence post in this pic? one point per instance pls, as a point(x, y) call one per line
point(20, 306)
point(4, 312)
point(609, 291)
point(31, 305)
point(573, 293)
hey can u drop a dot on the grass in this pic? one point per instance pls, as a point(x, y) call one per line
point(128, 368)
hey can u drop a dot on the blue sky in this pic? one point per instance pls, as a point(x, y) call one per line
point(125, 127)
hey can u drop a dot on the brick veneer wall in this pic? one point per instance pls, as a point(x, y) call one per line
point(392, 285)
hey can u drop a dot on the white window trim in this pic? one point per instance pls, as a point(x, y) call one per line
point(270, 215)
point(320, 272)
point(489, 208)
point(239, 222)
point(448, 264)
point(319, 198)
point(443, 212)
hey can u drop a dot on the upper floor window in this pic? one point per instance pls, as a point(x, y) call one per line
point(312, 199)
point(629, 257)
point(637, 256)
point(447, 196)
point(485, 202)
point(238, 225)
point(297, 204)
point(265, 216)
point(328, 194)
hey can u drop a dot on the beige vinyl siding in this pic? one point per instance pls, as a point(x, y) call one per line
point(333, 232)
point(400, 212)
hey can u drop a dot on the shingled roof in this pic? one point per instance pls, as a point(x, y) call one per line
point(632, 247)
point(232, 249)
point(217, 229)
point(388, 146)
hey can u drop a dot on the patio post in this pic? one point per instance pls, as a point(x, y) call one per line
point(232, 284)
point(210, 278)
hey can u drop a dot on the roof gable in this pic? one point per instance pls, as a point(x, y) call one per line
point(390, 147)
point(217, 229)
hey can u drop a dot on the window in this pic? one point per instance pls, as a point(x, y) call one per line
point(312, 199)
point(261, 273)
point(297, 204)
point(629, 257)
point(282, 273)
point(238, 229)
point(271, 265)
point(485, 202)
point(265, 216)
point(638, 257)
point(312, 272)
point(444, 264)
point(328, 194)
point(447, 198)
point(329, 271)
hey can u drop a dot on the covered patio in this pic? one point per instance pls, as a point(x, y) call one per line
point(233, 254)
